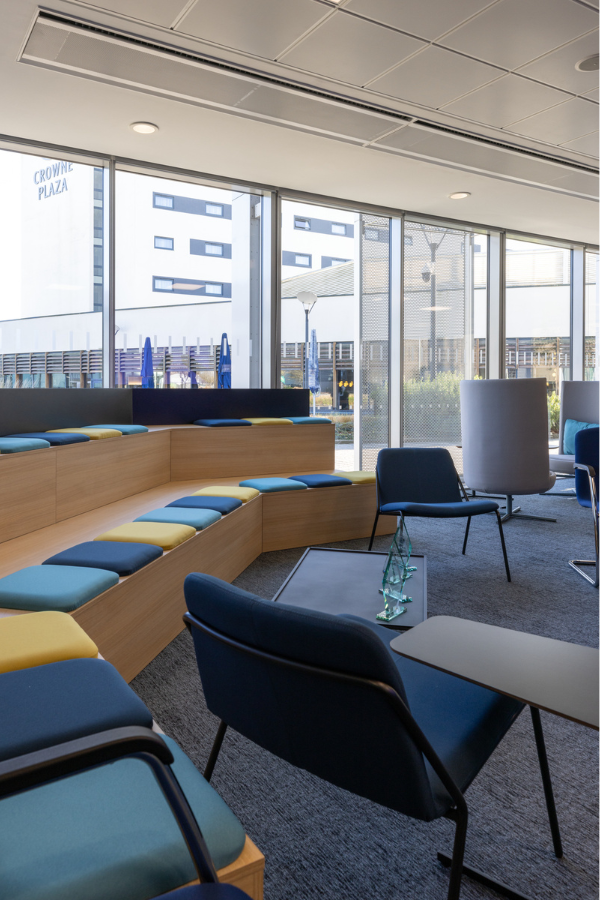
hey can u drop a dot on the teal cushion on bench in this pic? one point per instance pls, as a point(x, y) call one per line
point(55, 439)
point(177, 515)
point(272, 485)
point(109, 833)
point(221, 423)
point(19, 445)
point(572, 427)
point(62, 588)
point(309, 420)
point(124, 429)
point(317, 481)
point(116, 556)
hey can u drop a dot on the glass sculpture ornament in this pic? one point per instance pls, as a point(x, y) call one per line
point(395, 575)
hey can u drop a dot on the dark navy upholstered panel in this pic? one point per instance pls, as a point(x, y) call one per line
point(418, 475)
point(222, 423)
point(160, 406)
point(39, 409)
point(586, 452)
point(116, 556)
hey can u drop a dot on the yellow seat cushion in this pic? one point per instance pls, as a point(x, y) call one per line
point(161, 534)
point(357, 477)
point(94, 434)
point(262, 421)
point(35, 639)
point(225, 490)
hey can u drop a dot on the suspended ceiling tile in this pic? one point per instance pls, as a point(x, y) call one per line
point(157, 12)
point(426, 18)
point(562, 123)
point(558, 68)
point(263, 27)
point(504, 101)
point(435, 77)
point(351, 49)
point(514, 32)
point(580, 183)
point(314, 113)
point(593, 95)
point(586, 144)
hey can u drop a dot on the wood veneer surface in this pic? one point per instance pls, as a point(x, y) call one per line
point(27, 492)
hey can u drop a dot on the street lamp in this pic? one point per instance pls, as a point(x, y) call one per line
point(308, 300)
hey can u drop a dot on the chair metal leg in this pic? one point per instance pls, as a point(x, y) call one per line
point(466, 534)
point(374, 529)
point(215, 750)
point(515, 513)
point(546, 781)
point(501, 530)
point(576, 563)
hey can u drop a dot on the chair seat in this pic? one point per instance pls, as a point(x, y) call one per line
point(223, 505)
point(94, 434)
point(206, 892)
point(21, 445)
point(109, 833)
point(267, 421)
point(124, 429)
point(161, 534)
point(225, 490)
point(439, 510)
point(562, 463)
point(357, 477)
point(273, 485)
point(62, 588)
point(309, 420)
point(221, 423)
point(321, 480)
point(54, 439)
point(39, 638)
point(196, 518)
point(124, 559)
point(62, 701)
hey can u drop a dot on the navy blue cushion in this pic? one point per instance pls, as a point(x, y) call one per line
point(206, 892)
point(223, 505)
point(115, 556)
point(439, 510)
point(54, 439)
point(47, 705)
point(317, 481)
point(586, 452)
point(221, 423)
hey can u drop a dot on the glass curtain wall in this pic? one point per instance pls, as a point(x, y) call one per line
point(445, 326)
point(51, 254)
point(592, 318)
point(187, 273)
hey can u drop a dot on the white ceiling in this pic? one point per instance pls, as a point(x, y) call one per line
point(502, 70)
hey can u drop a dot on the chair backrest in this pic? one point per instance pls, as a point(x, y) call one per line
point(505, 435)
point(317, 690)
point(579, 400)
point(416, 475)
point(586, 452)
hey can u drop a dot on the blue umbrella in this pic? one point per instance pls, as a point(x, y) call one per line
point(147, 372)
point(224, 370)
point(313, 366)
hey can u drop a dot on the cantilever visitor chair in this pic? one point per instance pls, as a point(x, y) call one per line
point(416, 481)
point(586, 486)
point(326, 694)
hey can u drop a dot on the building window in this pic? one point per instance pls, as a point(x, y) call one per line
point(163, 284)
point(216, 289)
point(371, 234)
point(408, 241)
point(338, 228)
point(214, 209)
point(213, 249)
point(163, 201)
point(302, 259)
point(164, 243)
point(299, 222)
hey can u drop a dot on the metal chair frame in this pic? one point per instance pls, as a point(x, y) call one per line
point(577, 563)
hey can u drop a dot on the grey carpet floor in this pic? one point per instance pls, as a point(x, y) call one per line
point(320, 841)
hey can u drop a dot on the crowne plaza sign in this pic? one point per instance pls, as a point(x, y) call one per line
point(52, 180)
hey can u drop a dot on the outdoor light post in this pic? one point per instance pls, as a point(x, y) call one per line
point(308, 300)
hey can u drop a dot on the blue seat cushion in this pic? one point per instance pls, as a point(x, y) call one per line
point(223, 505)
point(272, 485)
point(108, 832)
point(55, 439)
point(439, 510)
point(206, 892)
point(61, 701)
point(177, 515)
point(124, 429)
point(116, 556)
point(309, 420)
point(62, 588)
point(221, 423)
point(20, 445)
point(317, 481)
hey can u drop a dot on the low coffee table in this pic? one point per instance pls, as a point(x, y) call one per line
point(348, 581)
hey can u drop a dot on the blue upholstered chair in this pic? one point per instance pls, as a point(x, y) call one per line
point(424, 482)
point(586, 488)
point(326, 694)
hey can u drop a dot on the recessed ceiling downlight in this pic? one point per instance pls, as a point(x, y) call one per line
point(144, 127)
point(589, 64)
point(460, 195)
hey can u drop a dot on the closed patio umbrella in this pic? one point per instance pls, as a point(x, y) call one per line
point(313, 367)
point(147, 371)
point(224, 370)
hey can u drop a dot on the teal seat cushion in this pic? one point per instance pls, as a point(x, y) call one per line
point(18, 445)
point(309, 420)
point(572, 426)
point(61, 588)
point(272, 485)
point(109, 833)
point(176, 515)
point(124, 429)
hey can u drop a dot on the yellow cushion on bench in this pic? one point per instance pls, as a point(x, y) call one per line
point(356, 477)
point(263, 421)
point(225, 490)
point(160, 534)
point(35, 639)
point(95, 434)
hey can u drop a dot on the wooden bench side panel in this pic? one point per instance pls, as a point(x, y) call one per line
point(27, 492)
